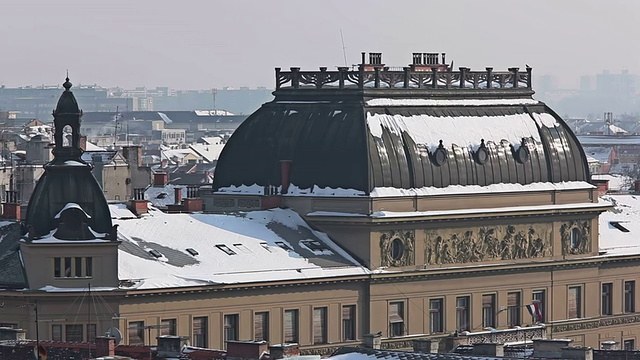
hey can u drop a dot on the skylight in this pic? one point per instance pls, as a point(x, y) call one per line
point(192, 251)
point(155, 253)
point(226, 249)
point(265, 246)
point(618, 226)
point(314, 245)
point(284, 246)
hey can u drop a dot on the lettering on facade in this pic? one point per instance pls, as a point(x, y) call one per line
point(506, 242)
point(397, 248)
point(224, 202)
point(576, 237)
point(249, 203)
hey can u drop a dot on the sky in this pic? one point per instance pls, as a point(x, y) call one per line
point(205, 44)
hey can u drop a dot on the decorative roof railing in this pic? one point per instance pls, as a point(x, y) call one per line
point(367, 76)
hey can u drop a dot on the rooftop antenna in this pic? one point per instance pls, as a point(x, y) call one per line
point(344, 48)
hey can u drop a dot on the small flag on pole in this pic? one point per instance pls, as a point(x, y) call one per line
point(534, 310)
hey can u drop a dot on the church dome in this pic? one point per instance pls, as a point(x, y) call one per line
point(401, 130)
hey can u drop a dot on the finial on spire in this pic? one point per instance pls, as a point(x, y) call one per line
point(67, 84)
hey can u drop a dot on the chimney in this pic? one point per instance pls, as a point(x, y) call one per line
point(83, 142)
point(192, 202)
point(178, 195)
point(426, 346)
point(285, 170)
point(609, 345)
point(98, 167)
point(160, 178)
point(133, 154)
point(11, 206)
point(577, 353)
point(138, 205)
point(245, 350)
point(372, 341)
point(284, 351)
point(488, 349)
point(549, 348)
point(105, 346)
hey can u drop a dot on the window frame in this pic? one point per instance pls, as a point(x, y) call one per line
point(489, 310)
point(200, 339)
point(169, 327)
point(629, 296)
point(264, 324)
point(294, 336)
point(606, 299)
point(436, 314)
point(349, 323)
point(542, 302)
point(577, 313)
point(319, 323)
point(231, 327)
point(138, 328)
point(463, 313)
point(396, 319)
point(514, 311)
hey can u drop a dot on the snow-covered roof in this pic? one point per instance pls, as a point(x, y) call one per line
point(93, 147)
point(209, 152)
point(161, 196)
point(620, 227)
point(258, 246)
point(601, 154)
point(617, 182)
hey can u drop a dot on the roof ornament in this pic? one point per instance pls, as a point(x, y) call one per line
point(440, 155)
point(482, 154)
point(522, 154)
point(67, 84)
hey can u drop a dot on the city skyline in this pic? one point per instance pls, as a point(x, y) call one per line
point(202, 45)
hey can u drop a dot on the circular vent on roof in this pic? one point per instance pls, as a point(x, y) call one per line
point(440, 155)
point(522, 154)
point(482, 154)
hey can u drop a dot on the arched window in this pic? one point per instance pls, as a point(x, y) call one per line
point(67, 132)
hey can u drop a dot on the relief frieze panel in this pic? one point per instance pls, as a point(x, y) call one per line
point(501, 242)
point(576, 237)
point(397, 248)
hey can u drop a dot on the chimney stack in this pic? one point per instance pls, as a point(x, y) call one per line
point(138, 205)
point(285, 170)
point(133, 155)
point(105, 346)
point(178, 195)
point(372, 341)
point(160, 178)
point(11, 206)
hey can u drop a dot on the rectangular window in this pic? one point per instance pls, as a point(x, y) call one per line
point(488, 310)
point(136, 333)
point(168, 327)
point(462, 313)
point(230, 327)
point(348, 322)
point(200, 331)
point(513, 309)
point(88, 265)
point(261, 326)
point(436, 316)
point(78, 266)
point(291, 326)
point(629, 345)
point(57, 268)
point(574, 302)
point(629, 296)
point(538, 298)
point(320, 325)
point(396, 319)
point(56, 332)
point(73, 332)
point(67, 267)
point(607, 299)
point(91, 333)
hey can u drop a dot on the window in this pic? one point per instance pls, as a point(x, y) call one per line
point(436, 316)
point(200, 331)
point(488, 310)
point(168, 327)
point(348, 322)
point(57, 268)
point(88, 262)
point(538, 298)
point(396, 319)
point(629, 296)
point(513, 309)
point(91, 332)
point(291, 326)
point(78, 266)
point(56, 332)
point(136, 333)
point(629, 345)
point(462, 313)
point(607, 299)
point(575, 238)
point(230, 327)
point(575, 302)
point(226, 249)
point(67, 267)
point(261, 326)
point(74, 332)
point(320, 325)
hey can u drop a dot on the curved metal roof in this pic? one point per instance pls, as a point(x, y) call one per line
point(349, 144)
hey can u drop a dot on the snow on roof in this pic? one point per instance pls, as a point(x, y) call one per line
point(256, 246)
point(161, 196)
point(601, 154)
point(210, 152)
point(93, 147)
point(463, 131)
point(449, 102)
point(620, 227)
point(425, 191)
point(617, 182)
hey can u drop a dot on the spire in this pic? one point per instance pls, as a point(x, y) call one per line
point(67, 84)
point(67, 114)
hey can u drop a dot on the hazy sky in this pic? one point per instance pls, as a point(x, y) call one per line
point(210, 44)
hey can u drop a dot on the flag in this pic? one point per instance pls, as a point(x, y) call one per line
point(534, 310)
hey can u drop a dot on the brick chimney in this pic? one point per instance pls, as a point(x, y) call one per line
point(177, 195)
point(11, 206)
point(138, 205)
point(285, 171)
point(105, 346)
point(133, 154)
point(193, 202)
point(160, 178)
point(246, 350)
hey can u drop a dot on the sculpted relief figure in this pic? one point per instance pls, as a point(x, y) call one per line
point(452, 246)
